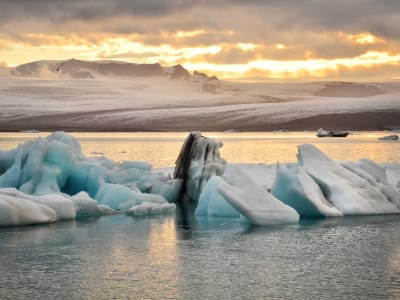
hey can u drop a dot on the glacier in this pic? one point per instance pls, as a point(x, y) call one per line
point(49, 179)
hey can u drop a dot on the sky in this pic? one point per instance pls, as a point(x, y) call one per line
point(286, 39)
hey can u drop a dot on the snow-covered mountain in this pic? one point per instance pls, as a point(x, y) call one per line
point(80, 69)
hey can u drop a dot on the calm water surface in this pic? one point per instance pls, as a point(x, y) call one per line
point(161, 149)
point(121, 257)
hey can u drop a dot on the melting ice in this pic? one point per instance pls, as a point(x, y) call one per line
point(50, 179)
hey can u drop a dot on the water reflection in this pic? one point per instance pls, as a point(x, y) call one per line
point(162, 149)
point(185, 224)
point(213, 258)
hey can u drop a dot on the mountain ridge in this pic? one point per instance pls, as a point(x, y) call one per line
point(84, 69)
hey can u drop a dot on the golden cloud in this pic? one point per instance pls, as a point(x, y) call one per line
point(363, 38)
point(316, 55)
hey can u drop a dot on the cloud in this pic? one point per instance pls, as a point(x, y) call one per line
point(199, 32)
point(378, 17)
point(61, 10)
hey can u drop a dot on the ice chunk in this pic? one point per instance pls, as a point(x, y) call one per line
point(61, 204)
point(55, 168)
point(393, 174)
point(87, 176)
point(296, 188)
point(393, 137)
point(374, 170)
point(349, 193)
point(120, 197)
point(11, 177)
point(198, 160)
point(169, 189)
point(86, 206)
point(139, 165)
point(20, 211)
point(262, 174)
point(211, 203)
point(254, 202)
point(376, 177)
point(149, 209)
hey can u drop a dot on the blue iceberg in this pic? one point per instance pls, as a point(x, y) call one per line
point(50, 179)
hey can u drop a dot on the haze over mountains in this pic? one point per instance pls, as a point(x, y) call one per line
point(76, 95)
point(79, 69)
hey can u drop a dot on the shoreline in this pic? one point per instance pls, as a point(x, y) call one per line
point(75, 122)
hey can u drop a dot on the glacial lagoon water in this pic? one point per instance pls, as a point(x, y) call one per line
point(167, 257)
point(121, 257)
point(161, 149)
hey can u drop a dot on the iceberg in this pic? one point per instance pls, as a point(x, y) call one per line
point(49, 179)
point(253, 202)
point(53, 177)
point(61, 205)
point(393, 174)
point(20, 211)
point(393, 137)
point(151, 209)
point(348, 192)
point(294, 187)
point(212, 203)
point(376, 177)
point(211, 189)
point(198, 160)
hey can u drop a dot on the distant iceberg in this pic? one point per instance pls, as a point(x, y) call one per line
point(50, 179)
point(393, 137)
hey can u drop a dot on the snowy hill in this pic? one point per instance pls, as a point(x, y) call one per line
point(118, 96)
point(80, 69)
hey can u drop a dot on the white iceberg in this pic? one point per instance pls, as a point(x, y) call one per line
point(151, 209)
point(49, 179)
point(61, 204)
point(253, 202)
point(349, 193)
point(297, 189)
point(20, 211)
point(376, 177)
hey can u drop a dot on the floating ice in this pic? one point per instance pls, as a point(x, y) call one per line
point(49, 179)
point(348, 192)
point(20, 211)
point(120, 197)
point(297, 189)
point(150, 209)
point(61, 204)
point(224, 193)
point(393, 174)
point(53, 172)
point(254, 202)
point(212, 204)
point(198, 160)
point(376, 177)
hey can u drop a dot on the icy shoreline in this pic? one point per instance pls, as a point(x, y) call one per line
point(49, 179)
point(154, 103)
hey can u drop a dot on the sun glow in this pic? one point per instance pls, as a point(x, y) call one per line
point(213, 58)
point(246, 46)
point(300, 68)
point(185, 34)
point(363, 38)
